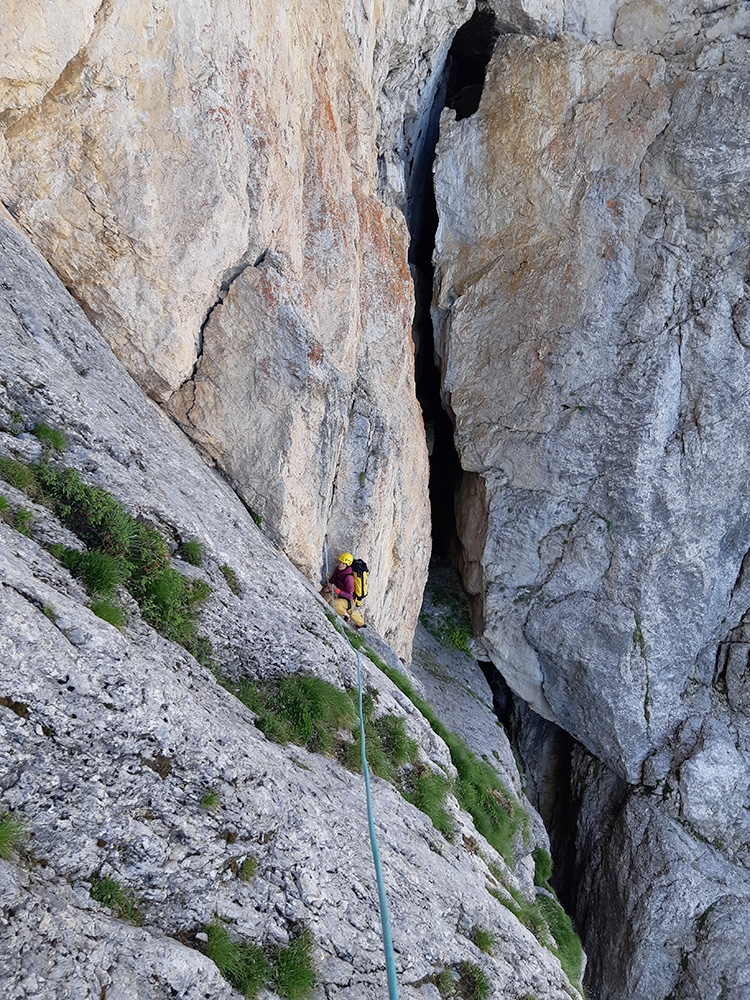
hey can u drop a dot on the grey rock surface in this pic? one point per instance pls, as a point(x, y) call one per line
point(112, 738)
point(591, 305)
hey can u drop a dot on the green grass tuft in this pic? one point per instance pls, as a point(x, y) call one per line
point(299, 709)
point(13, 835)
point(192, 552)
point(484, 940)
point(22, 520)
point(123, 552)
point(247, 869)
point(496, 814)
point(388, 746)
point(248, 969)
point(312, 713)
point(427, 791)
point(21, 476)
point(88, 511)
point(210, 800)
point(110, 893)
point(445, 982)
point(51, 436)
point(242, 963)
point(99, 572)
point(472, 983)
point(231, 577)
point(542, 867)
point(569, 949)
point(109, 611)
point(294, 975)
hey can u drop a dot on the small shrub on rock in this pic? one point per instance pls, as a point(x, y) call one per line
point(51, 436)
point(192, 552)
point(13, 834)
point(294, 975)
point(242, 963)
point(110, 893)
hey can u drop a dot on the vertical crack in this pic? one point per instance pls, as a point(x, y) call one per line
point(459, 88)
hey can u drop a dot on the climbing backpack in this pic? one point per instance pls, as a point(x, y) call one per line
point(359, 571)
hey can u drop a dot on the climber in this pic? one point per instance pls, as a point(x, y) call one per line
point(339, 591)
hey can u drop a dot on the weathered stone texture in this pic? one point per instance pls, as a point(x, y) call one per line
point(591, 306)
point(533, 276)
point(37, 42)
point(181, 144)
point(113, 738)
point(664, 904)
point(319, 433)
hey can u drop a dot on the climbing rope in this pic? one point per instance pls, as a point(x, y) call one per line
point(385, 920)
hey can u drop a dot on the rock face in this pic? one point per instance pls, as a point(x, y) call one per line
point(219, 186)
point(156, 153)
point(563, 129)
point(114, 738)
point(590, 307)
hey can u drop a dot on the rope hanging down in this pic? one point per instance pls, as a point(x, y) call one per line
point(385, 920)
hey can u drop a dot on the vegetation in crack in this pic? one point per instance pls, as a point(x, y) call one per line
point(51, 437)
point(445, 614)
point(479, 790)
point(231, 578)
point(312, 713)
point(121, 901)
point(464, 981)
point(547, 921)
point(542, 868)
point(288, 970)
point(191, 551)
point(20, 518)
point(13, 835)
point(120, 552)
point(484, 939)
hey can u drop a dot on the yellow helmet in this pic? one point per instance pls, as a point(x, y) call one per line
point(346, 558)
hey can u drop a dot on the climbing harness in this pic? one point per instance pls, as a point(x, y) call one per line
point(385, 920)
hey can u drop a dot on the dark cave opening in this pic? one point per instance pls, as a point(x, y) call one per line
point(467, 61)
point(460, 89)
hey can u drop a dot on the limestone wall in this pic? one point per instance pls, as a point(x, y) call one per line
point(591, 304)
point(203, 177)
point(125, 759)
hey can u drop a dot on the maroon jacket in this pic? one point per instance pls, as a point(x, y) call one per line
point(343, 579)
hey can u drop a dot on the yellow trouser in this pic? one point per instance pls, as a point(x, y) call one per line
point(341, 607)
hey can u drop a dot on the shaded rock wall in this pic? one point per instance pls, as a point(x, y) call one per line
point(592, 265)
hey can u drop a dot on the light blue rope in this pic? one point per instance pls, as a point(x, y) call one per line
point(385, 920)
